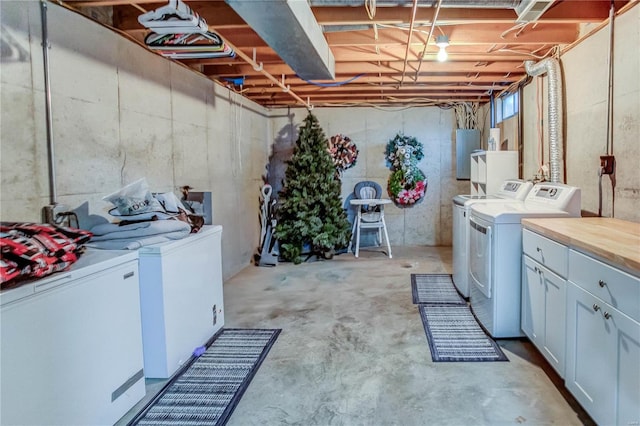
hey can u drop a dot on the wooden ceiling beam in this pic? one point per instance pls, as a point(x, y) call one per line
point(493, 53)
point(339, 15)
point(462, 35)
point(363, 89)
point(459, 35)
point(387, 93)
point(218, 13)
point(390, 67)
point(570, 12)
point(486, 53)
point(383, 102)
point(384, 97)
point(221, 17)
point(273, 59)
point(482, 79)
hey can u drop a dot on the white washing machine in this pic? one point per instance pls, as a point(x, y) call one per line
point(511, 190)
point(495, 253)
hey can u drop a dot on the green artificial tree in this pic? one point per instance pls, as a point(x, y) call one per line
point(310, 213)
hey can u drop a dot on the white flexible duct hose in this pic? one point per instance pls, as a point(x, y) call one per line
point(554, 85)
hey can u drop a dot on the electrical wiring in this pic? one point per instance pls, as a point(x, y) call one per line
point(404, 28)
point(378, 107)
point(519, 28)
point(414, 103)
point(336, 84)
point(532, 54)
point(370, 7)
point(516, 85)
point(466, 115)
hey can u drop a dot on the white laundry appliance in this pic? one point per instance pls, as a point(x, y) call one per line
point(495, 253)
point(511, 190)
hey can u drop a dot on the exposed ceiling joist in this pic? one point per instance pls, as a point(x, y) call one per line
point(374, 54)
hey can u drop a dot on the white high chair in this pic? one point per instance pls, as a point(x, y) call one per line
point(370, 205)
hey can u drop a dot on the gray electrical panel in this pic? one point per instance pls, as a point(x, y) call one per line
point(467, 141)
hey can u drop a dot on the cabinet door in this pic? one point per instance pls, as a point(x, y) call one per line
point(543, 311)
point(591, 362)
point(555, 297)
point(627, 380)
point(532, 319)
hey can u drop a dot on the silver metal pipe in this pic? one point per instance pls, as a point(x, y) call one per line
point(551, 67)
point(610, 91)
point(53, 196)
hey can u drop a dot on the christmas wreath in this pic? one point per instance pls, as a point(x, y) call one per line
point(401, 149)
point(407, 184)
point(407, 188)
point(343, 152)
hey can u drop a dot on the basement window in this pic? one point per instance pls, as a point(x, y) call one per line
point(506, 107)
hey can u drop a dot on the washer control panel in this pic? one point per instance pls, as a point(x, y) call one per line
point(514, 189)
point(556, 196)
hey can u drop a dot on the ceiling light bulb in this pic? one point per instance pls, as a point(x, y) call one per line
point(442, 41)
point(442, 54)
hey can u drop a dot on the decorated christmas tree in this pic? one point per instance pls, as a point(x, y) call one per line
point(310, 214)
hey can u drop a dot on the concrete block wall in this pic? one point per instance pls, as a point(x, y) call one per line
point(121, 113)
point(427, 223)
point(585, 80)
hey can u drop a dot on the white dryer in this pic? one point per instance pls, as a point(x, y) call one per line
point(511, 190)
point(495, 253)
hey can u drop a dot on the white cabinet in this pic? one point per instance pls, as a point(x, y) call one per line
point(603, 340)
point(181, 299)
point(489, 169)
point(71, 344)
point(544, 296)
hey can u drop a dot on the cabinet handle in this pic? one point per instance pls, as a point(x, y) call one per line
point(538, 249)
point(596, 307)
point(535, 268)
point(607, 315)
point(601, 283)
point(128, 275)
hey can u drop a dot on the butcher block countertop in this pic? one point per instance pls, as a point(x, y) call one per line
point(614, 240)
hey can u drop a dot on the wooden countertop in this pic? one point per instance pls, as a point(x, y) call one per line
point(614, 240)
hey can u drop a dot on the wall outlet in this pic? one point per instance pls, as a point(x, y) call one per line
point(607, 163)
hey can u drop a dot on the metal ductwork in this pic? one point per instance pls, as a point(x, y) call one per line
point(551, 67)
point(532, 10)
point(291, 30)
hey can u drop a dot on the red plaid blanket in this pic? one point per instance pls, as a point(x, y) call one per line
point(34, 250)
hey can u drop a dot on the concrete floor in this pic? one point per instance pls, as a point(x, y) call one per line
point(353, 352)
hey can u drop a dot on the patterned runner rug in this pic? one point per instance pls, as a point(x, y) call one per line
point(434, 289)
point(207, 391)
point(454, 335)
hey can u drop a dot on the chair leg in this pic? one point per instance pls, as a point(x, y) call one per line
point(386, 236)
point(358, 237)
point(353, 233)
